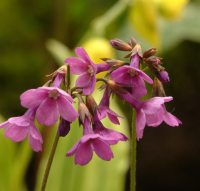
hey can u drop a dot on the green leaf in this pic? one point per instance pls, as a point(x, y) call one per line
point(58, 50)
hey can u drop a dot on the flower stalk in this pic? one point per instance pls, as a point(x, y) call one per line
point(49, 162)
point(133, 151)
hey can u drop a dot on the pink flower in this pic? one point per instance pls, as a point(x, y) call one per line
point(97, 139)
point(18, 128)
point(50, 103)
point(132, 77)
point(89, 143)
point(152, 113)
point(84, 67)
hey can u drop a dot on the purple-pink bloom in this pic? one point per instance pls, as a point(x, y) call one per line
point(18, 128)
point(152, 113)
point(89, 143)
point(104, 110)
point(50, 103)
point(133, 78)
point(84, 67)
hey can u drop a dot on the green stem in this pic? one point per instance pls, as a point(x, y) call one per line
point(49, 163)
point(133, 147)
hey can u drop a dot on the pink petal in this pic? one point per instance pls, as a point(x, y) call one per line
point(16, 133)
point(83, 54)
point(83, 154)
point(32, 98)
point(138, 87)
point(19, 121)
point(113, 117)
point(90, 87)
point(102, 149)
point(66, 109)
point(153, 105)
point(83, 80)
point(47, 113)
point(35, 138)
point(171, 120)
point(144, 76)
point(154, 119)
point(140, 123)
point(4, 124)
point(73, 149)
point(121, 75)
point(77, 66)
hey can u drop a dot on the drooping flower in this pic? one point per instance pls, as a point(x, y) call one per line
point(104, 110)
point(51, 102)
point(18, 128)
point(132, 78)
point(90, 142)
point(96, 138)
point(152, 113)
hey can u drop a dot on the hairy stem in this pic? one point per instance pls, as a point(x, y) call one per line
point(133, 148)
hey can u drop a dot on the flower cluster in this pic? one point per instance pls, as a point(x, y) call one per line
point(126, 79)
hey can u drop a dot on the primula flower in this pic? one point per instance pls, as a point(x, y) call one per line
point(87, 70)
point(97, 139)
point(51, 102)
point(103, 108)
point(133, 78)
point(18, 128)
point(89, 143)
point(152, 113)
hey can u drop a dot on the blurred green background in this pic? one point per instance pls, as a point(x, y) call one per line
point(36, 36)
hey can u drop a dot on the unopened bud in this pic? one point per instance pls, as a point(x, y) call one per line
point(149, 52)
point(158, 89)
point(64, 127)
point(83, 112)
point(120, 45)
point(163, 76)
point(91, 104)
point(115, 87)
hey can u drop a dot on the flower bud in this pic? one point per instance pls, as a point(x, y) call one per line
point(158, 89)
point(64, 127)
point(83, 112)
point(149, 52)
point(120, 45)
point(163, 76)
point(91, 104)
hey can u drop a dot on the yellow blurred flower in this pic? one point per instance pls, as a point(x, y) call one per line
point(171, 9)
point(97, 48)
point(143, 17)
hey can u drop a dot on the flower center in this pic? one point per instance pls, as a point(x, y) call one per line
point(90, 70)
point(54, 94)
point(132, 72)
